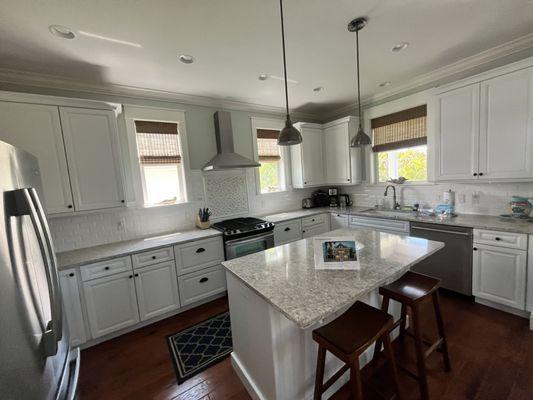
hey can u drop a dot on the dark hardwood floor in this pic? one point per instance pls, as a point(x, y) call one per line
point(491, 354)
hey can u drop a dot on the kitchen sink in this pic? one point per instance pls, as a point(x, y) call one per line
point(389, 213)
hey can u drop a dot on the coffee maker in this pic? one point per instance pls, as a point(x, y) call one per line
point(333, 197)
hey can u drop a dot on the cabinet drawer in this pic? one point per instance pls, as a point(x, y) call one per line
point(286, 232)
point(314, 220)
point(152, 257)
point(105, 268)
point(379, 224)
point(315, 230)
point(201, 284)
point(197, 255)
point(501, 239)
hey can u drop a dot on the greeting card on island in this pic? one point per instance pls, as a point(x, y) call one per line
point(338, 252)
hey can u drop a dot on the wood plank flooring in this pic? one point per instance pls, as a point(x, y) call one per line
point(491, 354)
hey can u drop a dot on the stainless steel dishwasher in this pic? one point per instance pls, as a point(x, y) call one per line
point(452, 264)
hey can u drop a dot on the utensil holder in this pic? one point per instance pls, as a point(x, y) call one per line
point(202, 224)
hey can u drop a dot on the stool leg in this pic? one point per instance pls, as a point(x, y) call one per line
point(356, 383)
point(440, 326)
point(404, 321)
point(319, 378)
point(420, 353)
point(392, 362)
point(377, 347)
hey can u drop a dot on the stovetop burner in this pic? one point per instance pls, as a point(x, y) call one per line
point(240, 227)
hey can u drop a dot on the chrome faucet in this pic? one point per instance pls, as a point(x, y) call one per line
point(396, 205)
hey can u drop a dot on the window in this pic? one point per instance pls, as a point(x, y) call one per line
point(160, 160)
point(400, 141)
point(272, 169)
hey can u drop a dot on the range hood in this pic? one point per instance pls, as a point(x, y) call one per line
point(226, 157)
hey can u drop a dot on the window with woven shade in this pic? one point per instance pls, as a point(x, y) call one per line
point(159, 151)
point(400, 141)
point(271, 172)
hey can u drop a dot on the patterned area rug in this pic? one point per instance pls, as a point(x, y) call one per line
point(200, 346)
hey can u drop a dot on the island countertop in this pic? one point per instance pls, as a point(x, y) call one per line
point(285, 276)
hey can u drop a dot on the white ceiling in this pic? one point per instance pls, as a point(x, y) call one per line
point(234, 41)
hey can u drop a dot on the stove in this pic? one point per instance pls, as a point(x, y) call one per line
point(243, 236)
point(242, 227)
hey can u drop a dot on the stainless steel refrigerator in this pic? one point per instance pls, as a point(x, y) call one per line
point(36, 361)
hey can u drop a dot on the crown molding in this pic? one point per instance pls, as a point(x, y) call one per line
point(47, 81)
point(441, 75)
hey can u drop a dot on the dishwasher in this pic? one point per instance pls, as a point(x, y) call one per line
point(453, 263)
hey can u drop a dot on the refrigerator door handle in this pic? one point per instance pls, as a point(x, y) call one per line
point(24, 206)
point(74, 358)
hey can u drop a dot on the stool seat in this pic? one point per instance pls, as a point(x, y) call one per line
point(354, 329)
point(410, 288)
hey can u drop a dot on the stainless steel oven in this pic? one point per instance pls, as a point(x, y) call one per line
point(249, 244)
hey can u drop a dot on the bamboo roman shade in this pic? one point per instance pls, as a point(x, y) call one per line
point(406, 128)
point(157, 142)
point(267, 145)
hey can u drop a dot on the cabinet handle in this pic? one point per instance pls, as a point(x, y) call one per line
point(136, 275)
point(106, 268)
point(122, 201)
point(303, 231)
point(200, 250)
point(154, 257)
point(348, 179)
point(313, 220)
point(287, 229)
point(204, 279)
point(131, 276)
point(481, 174)
point(305, 183)
point(71, 274)
point(497, 238)
point(475, 173)
point(475, 248)
point(70, 206)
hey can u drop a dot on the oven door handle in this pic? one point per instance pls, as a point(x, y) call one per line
point(249, 239)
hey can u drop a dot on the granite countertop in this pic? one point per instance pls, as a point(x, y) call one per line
point(87, 255)
point(285, 276)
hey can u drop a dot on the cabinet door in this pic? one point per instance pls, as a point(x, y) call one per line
point(500, 275)
point(202, 284)
point(91, 141)
point(506, 128)
point(157, 289)
point(37, 129)
point(68, 280)
point(286, 232)
point(337, 154)
point(457, 134)
point(339, 221)
point(111, 303)
point(313, 158)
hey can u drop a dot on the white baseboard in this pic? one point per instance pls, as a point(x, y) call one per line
point(501, 307)
point(245, 378)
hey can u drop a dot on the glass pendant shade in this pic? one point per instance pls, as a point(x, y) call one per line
point(360, 139)
point(289, 135)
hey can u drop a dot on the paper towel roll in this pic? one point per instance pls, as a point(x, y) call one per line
point(448, 197)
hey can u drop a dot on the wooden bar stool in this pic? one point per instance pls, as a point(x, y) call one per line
point(347, 337)
point(411, 290)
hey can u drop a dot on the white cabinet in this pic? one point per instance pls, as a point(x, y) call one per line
point(343, 164)
point(91, 141)
point(339, 221)
point(484, 131)
point(499, 275)
point(111, 303)
point(202, 284)
point(307, 158)
point(197, 255)
point(315, 225)
point(286, 232)
point(157, 289)
point(506, 128)
point(72, 306)
point(37, 129)
point(379, 224)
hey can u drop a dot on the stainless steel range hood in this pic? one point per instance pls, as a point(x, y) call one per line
point(226, 157)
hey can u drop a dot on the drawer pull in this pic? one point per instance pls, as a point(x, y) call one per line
point(287, 229)
point(497, 238)
point(204, 279)
point(106, 268)
point(313, 220)
point(475, 248)
point(200, 250)
point(131, 276)
point(154, 257)
point(136, 275)
point(71, 274)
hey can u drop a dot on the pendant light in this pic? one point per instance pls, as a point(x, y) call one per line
point(361, 138)
point(289, 135)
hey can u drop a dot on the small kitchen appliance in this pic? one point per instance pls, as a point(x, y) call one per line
point(320, 198)
point(308, 203)
point(344, 200)
point(333, 197)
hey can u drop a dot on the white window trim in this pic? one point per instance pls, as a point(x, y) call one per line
point(132, 113)
point(404, 103)
point(274, 124)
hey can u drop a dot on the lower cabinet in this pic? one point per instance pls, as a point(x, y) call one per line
point(315, 225)
point(499, 275)
point(68, 280)
point(199, 285)
point(286, 232)
point(111, 303)
point(339, 221)
point(157, 289)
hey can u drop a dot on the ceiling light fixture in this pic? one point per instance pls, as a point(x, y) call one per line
point(263, 77)
point(399, 47)
point(61, 31)
point(109, 39)
point(318, 89)
point(384, 84)
point(361, 138)
point(289, 135)
point(186, 58)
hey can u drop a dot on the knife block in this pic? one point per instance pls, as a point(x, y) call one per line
point(202, 224)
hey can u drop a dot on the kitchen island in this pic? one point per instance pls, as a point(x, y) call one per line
point(277, 298)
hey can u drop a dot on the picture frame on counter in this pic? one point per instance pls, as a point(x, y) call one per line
point(336, 253)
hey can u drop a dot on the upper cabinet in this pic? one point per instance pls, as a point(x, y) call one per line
point(342, 161)
point(307, 158)
point(91, 141)
point(77, 149)
point(484, 131)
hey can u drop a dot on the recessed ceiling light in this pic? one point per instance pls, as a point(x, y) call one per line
point(383, 84)
point(399, 47)
point(318, 89)
point(61, 31)
point(186, 58)
point(263, 77)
